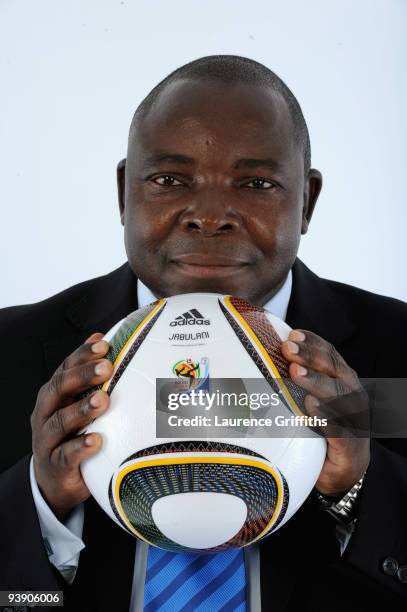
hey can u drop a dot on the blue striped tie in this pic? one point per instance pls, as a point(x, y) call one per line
point(191, 582)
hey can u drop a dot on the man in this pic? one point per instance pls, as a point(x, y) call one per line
point(214, 195)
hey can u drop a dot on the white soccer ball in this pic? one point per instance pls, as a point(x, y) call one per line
point(205, 492)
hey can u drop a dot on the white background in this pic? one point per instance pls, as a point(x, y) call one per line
point(73, 71)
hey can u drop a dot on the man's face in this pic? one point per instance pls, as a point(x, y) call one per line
point(214, 196)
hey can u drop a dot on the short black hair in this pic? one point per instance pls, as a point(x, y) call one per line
point(232, 69)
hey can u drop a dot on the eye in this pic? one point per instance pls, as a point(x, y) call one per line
point(259, 183)
point(166, 180)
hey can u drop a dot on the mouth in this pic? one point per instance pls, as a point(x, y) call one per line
point(204, 265)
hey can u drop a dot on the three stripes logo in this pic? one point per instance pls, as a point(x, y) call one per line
point(191, 317)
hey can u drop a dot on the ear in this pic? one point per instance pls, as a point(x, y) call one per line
point(121, 181)
point(313, 186)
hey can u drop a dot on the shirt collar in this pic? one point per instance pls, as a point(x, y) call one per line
point(277, 305)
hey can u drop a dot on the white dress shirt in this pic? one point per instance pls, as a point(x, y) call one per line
point(63, 541)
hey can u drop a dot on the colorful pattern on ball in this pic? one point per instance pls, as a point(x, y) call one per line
point(268, 339)
point(130, 325)
point(193, 446)
point(119, 339)
point(262, 490)
point(126, 329)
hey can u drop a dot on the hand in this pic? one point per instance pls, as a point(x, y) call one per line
point(57, 417)
point(317, 367)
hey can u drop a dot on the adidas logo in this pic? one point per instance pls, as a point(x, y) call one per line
point(191, 317)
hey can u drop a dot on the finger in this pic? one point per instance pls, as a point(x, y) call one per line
point(93, 338)
point(64, 386)
point(93, 348)
point(67, 421)
point(317, 383)
point(346, 416)
point(321, 424)
point(346, 452)
point(70, 454)
point(310, 350)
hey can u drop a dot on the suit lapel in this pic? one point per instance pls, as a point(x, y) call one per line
point(110, 298)
point(313, 306)
point(107, 300)
point(317, 305)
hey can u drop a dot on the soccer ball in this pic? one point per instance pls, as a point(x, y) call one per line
point(208, 491)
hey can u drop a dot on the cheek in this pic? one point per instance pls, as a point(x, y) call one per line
point(136, 230)
point(278, 230)
point(146, 227)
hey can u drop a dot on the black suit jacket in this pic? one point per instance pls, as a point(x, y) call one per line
point(301, 567)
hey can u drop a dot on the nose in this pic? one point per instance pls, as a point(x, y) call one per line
point(210, 215)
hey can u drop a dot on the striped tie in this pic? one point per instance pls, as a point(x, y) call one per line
point(191, 582)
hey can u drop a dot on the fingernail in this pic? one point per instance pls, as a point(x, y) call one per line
point(299, 336)
point(313, 402)
point(292, 347)
point(301, 371)
point(92, 338)
point(90, 440)
point(99, 347)
point(101, 369)
point(96, 400)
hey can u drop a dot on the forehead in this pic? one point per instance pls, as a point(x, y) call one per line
point(200, 115)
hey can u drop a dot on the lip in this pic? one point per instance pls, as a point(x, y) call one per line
point(205, 260)
point(208, 266)
point(198, 271)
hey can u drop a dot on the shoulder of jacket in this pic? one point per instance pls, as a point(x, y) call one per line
point(368, 306)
